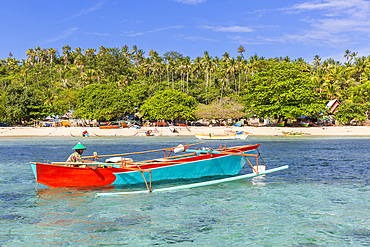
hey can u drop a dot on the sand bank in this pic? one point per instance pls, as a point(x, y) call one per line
point(182, 131)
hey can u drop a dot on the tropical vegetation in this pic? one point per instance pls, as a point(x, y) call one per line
point(113, 82)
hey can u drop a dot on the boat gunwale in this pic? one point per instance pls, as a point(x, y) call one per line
point(112, 169)
point(145, 162)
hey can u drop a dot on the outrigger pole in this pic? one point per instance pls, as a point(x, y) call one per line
point(201, 184)
point(143, 152)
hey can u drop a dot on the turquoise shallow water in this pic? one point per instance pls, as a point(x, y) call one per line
point(321, 200)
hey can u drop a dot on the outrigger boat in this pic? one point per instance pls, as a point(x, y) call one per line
point(195, 163)
point(292, 133)
point(234, 136)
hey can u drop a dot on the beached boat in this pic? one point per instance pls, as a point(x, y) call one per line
point(79, 133)
point(148, 132)
point(109, 127)
point(195, 163)
point(184, 125)
point(292, 133)
point(114, 125)
point(66, 123)
point(236, 135)
point(304, 124)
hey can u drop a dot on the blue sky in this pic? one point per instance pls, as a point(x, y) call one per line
point(269, 28)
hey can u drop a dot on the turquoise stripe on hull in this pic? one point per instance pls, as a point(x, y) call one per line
point(223, 166)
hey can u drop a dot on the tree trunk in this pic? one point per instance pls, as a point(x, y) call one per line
point(207, 90)
point(187, 82)
point(51, 78)
point(173, 82)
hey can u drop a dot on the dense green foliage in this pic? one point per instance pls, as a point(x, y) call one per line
point(283, 90)
point(116, 81)
point(170, 105)
point(103, 102)
point(21, 104)
point(352, 111)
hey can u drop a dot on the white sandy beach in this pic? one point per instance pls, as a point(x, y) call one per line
point(182, 131)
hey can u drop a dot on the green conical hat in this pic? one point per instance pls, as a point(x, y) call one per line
point(79, 146)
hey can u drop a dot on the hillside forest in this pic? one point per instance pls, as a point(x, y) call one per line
point(115, 82)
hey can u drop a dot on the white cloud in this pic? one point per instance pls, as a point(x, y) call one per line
point(64, 35)
point(191, 1)
point(335, 7)
point(134, 34)
point(193, 38)
point(165, 28)
point(98, 34)
point(335, 22)
point(89, 10)
point(233, 29)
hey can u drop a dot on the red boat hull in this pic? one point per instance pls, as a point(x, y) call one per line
point(65, 176)
point(53, 175)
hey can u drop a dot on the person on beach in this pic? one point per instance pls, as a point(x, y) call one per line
point(85, 133)
point(76, 156)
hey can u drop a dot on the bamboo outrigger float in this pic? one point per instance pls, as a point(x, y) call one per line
point(195, 163)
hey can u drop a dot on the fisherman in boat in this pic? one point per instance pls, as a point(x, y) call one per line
point(76, 156)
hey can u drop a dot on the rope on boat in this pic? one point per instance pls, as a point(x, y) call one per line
point(262, 161)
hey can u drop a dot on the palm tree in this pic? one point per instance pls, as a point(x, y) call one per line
point(134, 53)
point(51, 54)
point(60, 69)
point(245, 67)
point(197, 65)
point(90, 75)
point(347, 54)
point(213, 69)
point(170, 67)
point(43, 56)
point(241, 50)
point(206, 61)
point(66, 49)
point(318, 80)
point(346, 79)
point(24, 71)
point(240, 67)
point(30, 57)
point(317, 62)
point(331, 90)
point(125, 51)
point(361, 64)
point(90, 53)
point(253, 61)
point(160, 67)
point(187, 65)
point(156, 64)
point(232, 67)
point(37, 50)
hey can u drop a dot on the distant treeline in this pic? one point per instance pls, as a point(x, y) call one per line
point(113, 82)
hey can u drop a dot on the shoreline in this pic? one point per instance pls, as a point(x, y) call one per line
point(182, 131)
